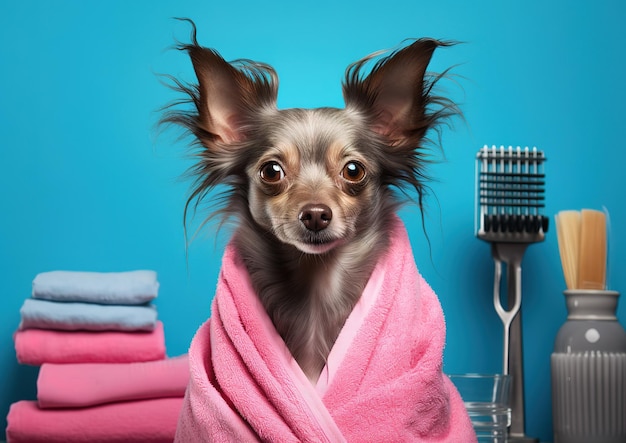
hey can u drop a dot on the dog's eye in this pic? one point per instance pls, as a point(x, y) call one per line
point(271, 172)
point(353, 172)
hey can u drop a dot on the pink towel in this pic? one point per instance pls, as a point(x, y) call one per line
point(88, 384)
point(38, 346)
point(145, 421)
point(383, 380)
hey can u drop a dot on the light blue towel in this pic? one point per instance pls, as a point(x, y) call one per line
point(116, 288)
point(72, 316)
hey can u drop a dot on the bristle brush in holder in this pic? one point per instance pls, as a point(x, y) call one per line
point(582, 237)
point(510, 186)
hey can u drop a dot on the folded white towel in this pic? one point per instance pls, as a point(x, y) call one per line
point(121, 288)
point(74, 316)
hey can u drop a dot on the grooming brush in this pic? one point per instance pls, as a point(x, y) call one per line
point(510, 199)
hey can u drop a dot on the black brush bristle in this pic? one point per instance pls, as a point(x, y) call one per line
point(510, 191)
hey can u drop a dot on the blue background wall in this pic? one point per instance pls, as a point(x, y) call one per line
point(86, 184)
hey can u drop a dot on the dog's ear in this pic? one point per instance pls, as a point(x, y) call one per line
point(229, 94)
point(395, 94)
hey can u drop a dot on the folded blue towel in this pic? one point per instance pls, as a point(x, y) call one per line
point(116, 288)
point(72, 316)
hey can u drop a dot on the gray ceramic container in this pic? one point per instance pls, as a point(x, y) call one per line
point(589, 371)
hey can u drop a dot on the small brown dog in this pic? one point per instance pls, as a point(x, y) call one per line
point(312, 190)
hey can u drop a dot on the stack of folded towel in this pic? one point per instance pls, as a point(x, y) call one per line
point(104, 375)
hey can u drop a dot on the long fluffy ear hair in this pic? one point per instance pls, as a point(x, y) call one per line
point(397, 99)
point(218, 113)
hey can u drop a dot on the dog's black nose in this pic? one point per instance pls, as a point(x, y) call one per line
point(316, 217)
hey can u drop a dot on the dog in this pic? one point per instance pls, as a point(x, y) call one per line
point(313, 191)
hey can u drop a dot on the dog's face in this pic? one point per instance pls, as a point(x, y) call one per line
point(315, 178)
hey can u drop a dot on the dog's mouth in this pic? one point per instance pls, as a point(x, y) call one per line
point(314, 243)
point(313, 231)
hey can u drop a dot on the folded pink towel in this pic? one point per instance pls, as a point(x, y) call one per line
point(88, 384)
point(38, 346)
point(383, 380)
point(148, 421)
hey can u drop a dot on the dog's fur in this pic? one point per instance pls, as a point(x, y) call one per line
point(312, 190)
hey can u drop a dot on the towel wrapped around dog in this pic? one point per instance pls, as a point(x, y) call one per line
point(383, 380)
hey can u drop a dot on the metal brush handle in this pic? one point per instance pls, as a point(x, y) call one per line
point(512, 254)
point(506, 315)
